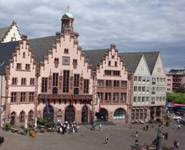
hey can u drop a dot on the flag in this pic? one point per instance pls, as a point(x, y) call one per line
point(72, 103)
point(46, 102)
point(98, 105)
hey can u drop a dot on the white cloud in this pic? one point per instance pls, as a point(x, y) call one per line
point(131, 24)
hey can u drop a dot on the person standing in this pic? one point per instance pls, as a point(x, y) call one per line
point(106, 140)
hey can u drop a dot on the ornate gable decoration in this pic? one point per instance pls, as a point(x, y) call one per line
point(112, 65)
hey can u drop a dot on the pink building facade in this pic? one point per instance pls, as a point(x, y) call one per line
point(55, 70)
point(169, 84)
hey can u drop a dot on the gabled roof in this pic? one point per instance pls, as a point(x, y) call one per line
point(95, 57)
point(41, 46)
point(151, 58)
point(7, 49)
point(3, 32)
point(131, 60)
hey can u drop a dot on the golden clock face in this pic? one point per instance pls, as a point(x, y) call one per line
point(65, 60)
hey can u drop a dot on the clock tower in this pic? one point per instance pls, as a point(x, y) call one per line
point(67, 22)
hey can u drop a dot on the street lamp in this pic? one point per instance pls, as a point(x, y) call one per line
point(93, 97)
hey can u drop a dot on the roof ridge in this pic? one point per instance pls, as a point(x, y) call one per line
point(42, 37)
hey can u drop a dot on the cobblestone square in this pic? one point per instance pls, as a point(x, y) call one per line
point(120, 138)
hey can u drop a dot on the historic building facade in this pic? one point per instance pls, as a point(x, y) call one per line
point(55, 70)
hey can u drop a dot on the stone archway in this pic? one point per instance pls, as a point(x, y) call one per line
point(48, 116)
point(70, 114)
point(85, 114)
point(13, 117)
point(102, 115)
point(120, 114)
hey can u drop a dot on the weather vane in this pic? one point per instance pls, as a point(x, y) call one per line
point(68, 7)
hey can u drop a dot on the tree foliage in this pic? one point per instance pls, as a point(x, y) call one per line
point(176, 98)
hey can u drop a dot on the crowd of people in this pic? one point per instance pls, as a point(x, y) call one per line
point(62, 128)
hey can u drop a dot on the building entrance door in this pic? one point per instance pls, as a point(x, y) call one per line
point(12, 121)
point(69, 114)
point(102, 115)
point(48, 116)
point(85, 114)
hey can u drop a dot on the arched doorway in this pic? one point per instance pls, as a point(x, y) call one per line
point(102, 115)
point(13, 116)
point(119, 114)
point(69, 114)
point(48, 116)
point(85, 114)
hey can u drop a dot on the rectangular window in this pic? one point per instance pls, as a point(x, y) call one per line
point(23, 96)
point(108, 72)
point(115, 96)
point(66, 81)
point(55, 79)
point(135, 99)
point(109, 63)
point(139, 99)
point(116, 73)
point(66, 51)
point(123, 84)
point(143, 99)
point(44, 84)
point(27, 68)
point(56, 60)
point(148, 79)
point(143, 89)
point(23, 81)
point(75, 61)
point(147, 99)
point(116, 63)
point(143, 79)
point(100, 83)
point(135, 88)
point(108, 83)
point(123, 96)
point(18, 66)
point(13, 97)
point(100, 95)
point(86, 86)
point(139, 88)
point(32, 81)
point(14, 81)
point(31, 96)
point(135, 78)
point(107, 96)
point(76, 80)
point(116, 83)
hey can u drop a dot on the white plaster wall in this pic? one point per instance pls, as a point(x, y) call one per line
point(143, 71)
point(12, 33)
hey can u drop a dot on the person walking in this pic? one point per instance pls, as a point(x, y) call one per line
point(166, 136)
point(177, 145)
point(136, 134)
point(100, 126)
point(106, 140)
point(146, 127)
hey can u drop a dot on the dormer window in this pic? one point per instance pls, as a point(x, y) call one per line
point(112, 56)
point(27, 67)
point(18, 66)
point(66, 51)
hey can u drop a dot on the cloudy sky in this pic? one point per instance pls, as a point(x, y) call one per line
point(133, 25)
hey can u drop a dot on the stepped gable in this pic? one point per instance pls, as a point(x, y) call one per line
point(41, 46)
point(7, 50)
point(95, 57)
point(3, 32)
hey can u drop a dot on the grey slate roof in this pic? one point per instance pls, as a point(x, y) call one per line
point(131, 60)
point(7, 49)
point(40, 47)
point(95, 57)
point(2, 32)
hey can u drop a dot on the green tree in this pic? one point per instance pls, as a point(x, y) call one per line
point(176, 98)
